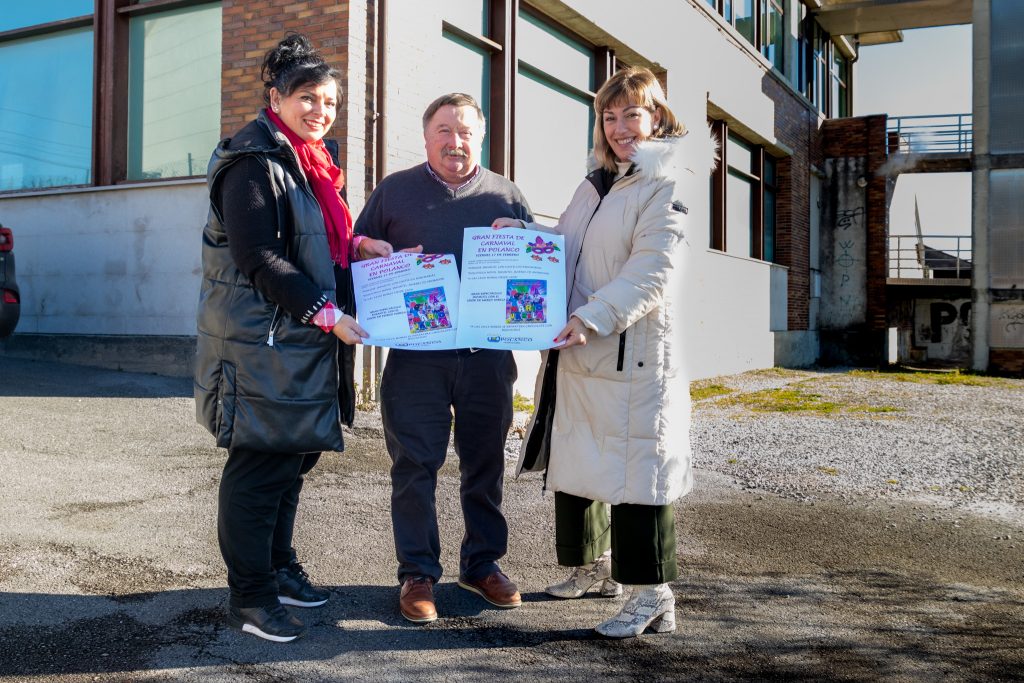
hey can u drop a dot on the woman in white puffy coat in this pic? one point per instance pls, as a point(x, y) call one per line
point(619, 435)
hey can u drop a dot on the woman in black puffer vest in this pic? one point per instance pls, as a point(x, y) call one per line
point(275, 299)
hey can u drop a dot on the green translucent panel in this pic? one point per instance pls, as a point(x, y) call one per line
point(549, 165)
point(469, 15)
point(745, 18)
point(174, 92)
point(468, 70)
point(768, 241)
point(739, 155)
point(554, 53)
point(769, 170)
point(773, 34)
point(16, 14)
point(46, 111)
point(739, 215)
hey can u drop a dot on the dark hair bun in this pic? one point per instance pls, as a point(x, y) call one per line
point(295, 50)
point(292, 63)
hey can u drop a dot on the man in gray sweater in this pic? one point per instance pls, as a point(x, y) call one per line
point(429, 206)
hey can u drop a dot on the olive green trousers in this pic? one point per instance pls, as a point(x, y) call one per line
point(642, 538)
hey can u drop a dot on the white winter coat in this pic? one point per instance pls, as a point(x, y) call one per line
point(622, 412)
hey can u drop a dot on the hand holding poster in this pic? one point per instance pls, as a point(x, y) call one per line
point(512, 294)
point(408, 300)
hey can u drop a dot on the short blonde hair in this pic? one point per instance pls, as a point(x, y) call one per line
point(632, 85)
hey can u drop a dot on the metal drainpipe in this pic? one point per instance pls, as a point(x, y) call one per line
point(380, 146)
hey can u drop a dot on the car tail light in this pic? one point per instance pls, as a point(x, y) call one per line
point(6, 239)
point(10, 297)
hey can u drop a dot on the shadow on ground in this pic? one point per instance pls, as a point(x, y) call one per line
point(842, 626)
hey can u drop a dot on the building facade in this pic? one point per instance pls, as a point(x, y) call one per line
point(104, 184)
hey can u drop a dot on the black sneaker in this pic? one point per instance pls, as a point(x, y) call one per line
point(270, 623)
point(294, 588)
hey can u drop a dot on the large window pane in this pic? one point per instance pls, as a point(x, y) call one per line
point(468, 70)
point(549, 167)
point(745, 18)
point(17, 14)
point(773, 37)
point(174, 92)
point(551, 52)
point(768, 235)
point(46, 111)
point(738, 214)
point(740, 155)
point(469, 15)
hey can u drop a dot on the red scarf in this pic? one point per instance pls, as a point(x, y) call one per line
point(326, 180)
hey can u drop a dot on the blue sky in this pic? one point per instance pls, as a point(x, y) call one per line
point(928, 73)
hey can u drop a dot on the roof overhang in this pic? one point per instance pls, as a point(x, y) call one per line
point(887, 18)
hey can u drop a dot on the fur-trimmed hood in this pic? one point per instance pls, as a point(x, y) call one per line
point(695, 152)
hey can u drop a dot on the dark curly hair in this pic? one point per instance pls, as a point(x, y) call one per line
point(293, 63)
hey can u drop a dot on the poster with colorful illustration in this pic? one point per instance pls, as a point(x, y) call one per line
point(512, 294)
point(408, 301)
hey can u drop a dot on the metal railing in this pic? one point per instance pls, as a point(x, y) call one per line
point(931, 133)
point(930, 256)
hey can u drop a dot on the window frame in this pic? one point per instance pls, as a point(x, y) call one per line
point(110, 24)
point(819, 73)
point(759, 158)
point(727, 10)
point(500, 42)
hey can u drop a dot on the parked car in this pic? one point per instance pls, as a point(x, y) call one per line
point(10, 295)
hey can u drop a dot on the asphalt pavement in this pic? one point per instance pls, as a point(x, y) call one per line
point(109, 568)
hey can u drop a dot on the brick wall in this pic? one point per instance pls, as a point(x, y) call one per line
point(252, 28)
point(865, 137)
point(1006, 361)
point(796, 126)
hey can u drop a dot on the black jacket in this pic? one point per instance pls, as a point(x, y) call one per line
point(265, 380)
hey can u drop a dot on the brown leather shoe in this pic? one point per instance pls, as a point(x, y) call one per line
point(495, 588)
point(416, 601)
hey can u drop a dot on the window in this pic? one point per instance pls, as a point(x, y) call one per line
point(824, 75)
point(760, 22)
point(839, 97)
point(148, 72)
point(770, 195)
point(744, 191)
point(555, 83)
point(551, 75)
point(773, 34)
point(51, 145)
point(174, 92)
point(468, 51)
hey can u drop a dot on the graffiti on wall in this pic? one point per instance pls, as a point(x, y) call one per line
point(844, 246)
point(1007, 326)
point(943, 328)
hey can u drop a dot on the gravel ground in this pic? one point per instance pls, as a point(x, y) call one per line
point(957, 446)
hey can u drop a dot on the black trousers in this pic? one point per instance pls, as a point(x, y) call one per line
point(421, 392)
point(642, 538)
point(259, 495)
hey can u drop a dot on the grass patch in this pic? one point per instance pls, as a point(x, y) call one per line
point(702, 390)
point(521, 404)
point(956, 376)
point(772, 372)
point(785, 400)
point(796, 399)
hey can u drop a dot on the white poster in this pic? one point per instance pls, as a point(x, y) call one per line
point(408, 301)
point(513, 289)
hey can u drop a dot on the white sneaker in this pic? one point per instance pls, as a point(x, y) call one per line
point(653, 606)
point(583, 578)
